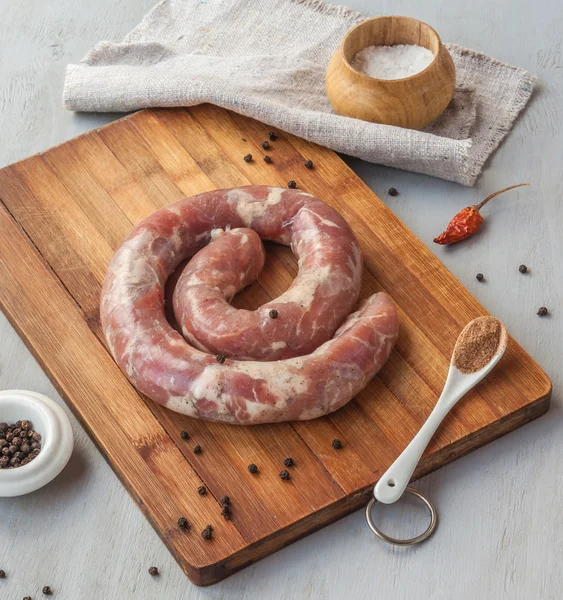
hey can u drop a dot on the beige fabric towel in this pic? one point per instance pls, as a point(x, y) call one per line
point(266, 59)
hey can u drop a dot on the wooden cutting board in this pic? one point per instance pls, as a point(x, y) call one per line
point(63, 214)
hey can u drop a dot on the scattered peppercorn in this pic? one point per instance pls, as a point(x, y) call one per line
point(523, 269)
point(220, 358)
point(291, 184)
point(288, 462)
point(248, 158)
point(265, 145)
point(184, 435)
point(273, 314)
point(153, 571)
point(268, 159)
point(284, 475)
point(479, 276)
point(197, 449)
point(183, 523)
point(27, 598)
point(393, 192)
point(226, 512)
point(336, 444)
point(225, 500)
point(47, 591)
point(252, 468)
point(309, 164)
point(207, 533)
point(542, 311)
point(273, 137)
point(2, 574)
point(202, 490)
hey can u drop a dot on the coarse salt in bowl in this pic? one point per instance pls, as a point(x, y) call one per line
point(403, 45)
point(57, 440)
point(392, 62)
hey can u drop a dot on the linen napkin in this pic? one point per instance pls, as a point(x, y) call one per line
point(266, 59)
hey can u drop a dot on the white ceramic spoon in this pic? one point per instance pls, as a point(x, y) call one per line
point(395, 480)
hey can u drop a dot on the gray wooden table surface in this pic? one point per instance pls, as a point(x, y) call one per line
point(501, 530)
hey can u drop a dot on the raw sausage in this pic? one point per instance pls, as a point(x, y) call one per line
point(305, 316)
point(165, 367)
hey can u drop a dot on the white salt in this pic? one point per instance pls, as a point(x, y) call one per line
point(392, 62)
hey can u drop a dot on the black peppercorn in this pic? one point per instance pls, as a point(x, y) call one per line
point(153, 571)
point(184, 435)
point(225, 500)
point(309, 164)
point(5, 451)
point(17, 441)
point(3, 443)
point(479, 276)
point(25, 425)
point(288, 462)
point(25, 448)
point(284, 475)
point(268, 159)
point(207, 533)
point(4, 461)
point(252, 468)
point(266, 145)
point(393, 192)
point(202, 490)
point(27, 598)
point(336, 444)
point(542, 311)
point(220, 358)
point(273, 137)
point(273, 314)
point(226, 512)
point(47, 591)
point(523, 269)
point(9, 436)
point(248, 158)
point(3, 426)
point(2, 574)
point(197, 449)
point(183, 523)
point(36, 436)
point(291, 184)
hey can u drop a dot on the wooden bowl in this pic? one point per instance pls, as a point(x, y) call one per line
point(411, 102)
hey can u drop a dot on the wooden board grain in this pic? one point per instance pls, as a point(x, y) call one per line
point(65, 211)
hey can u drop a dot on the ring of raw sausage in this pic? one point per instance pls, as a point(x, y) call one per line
point(162, 365)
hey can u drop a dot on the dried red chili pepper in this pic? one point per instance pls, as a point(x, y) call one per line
point(467, 221)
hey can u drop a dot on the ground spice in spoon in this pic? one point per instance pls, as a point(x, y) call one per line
point(477, 344)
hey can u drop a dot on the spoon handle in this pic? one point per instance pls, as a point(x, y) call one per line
point(394, 481)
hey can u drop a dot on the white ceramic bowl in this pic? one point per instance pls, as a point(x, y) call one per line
point(57, 440)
